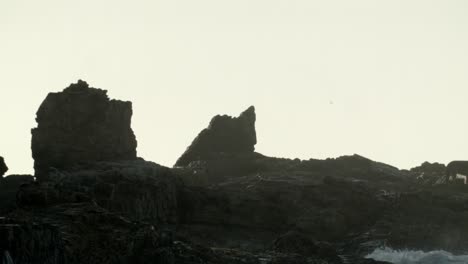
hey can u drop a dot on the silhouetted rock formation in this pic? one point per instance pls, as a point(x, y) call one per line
point(225, 134)
point(95, 202)
point(3, 167)
point(79, 125)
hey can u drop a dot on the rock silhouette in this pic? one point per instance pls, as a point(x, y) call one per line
point(81, 124)
point(224, 134)
point(96, 202)
point(3, 167)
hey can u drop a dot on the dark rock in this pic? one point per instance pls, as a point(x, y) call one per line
point(430, 173)
point(250, 211)
point(77, 233)
point(9, 186)
point(352, 167)
point(296, 242)
point(3, 167)
point(430, 219)
point(456, 167)
point(81, 233)
point(94, 199)
point(225, 134)
point(137, 189)
point(220, 168)
point(79, 125)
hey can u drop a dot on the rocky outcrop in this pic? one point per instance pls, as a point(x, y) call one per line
point(260, 206)
point(81, 124)
point(95, 202)
point(224, 135)
point(3, 167)
point(430, 173)
point(139, 190)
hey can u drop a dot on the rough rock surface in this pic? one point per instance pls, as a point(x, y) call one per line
point(225, 134)
point(456, 167)
point(83, 233)
point(8, 189)
point(139, 190)
point(249, 211)
point(76, 233)
point(3, 167)
point(297, 243)
point(351, 202)
point(430, 173)
point(80, 124)
point(225, 204)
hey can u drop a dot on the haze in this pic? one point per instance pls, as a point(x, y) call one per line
point(384, 79)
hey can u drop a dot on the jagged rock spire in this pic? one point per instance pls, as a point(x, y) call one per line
point(224, 134)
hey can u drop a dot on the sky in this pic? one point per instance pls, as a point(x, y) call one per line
point(384, 79)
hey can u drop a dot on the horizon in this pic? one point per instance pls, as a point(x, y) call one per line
point(383, 80)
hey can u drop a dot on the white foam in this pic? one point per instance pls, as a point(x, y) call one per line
point(417, 257)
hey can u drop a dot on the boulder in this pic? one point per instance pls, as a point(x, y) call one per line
point(3, 167)
point(225, 134)
point(81, 124)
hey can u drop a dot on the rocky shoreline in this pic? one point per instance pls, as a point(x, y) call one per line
point(93, 200)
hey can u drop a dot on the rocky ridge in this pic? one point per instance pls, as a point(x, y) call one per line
point(94, 201)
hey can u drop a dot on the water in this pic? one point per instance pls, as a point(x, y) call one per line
point(6, 259)
point(417, 257)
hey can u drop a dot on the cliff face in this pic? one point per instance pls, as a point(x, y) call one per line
point(225, 134)
point(80, 124)
point(83, 233)
point(139, 190)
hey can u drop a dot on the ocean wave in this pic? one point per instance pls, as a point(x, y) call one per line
point(417, 257)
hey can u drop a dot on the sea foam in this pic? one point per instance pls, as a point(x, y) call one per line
point(417, 257)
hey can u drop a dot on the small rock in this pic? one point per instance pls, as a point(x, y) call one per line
point(3, 167)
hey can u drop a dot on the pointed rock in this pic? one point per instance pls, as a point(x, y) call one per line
point(224, 134)
point(3, 167)
point(80, 124)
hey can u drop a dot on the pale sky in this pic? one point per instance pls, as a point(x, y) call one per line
point(385, 79)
